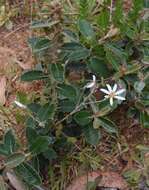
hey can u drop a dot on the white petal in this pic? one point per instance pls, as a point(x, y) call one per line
point(106, 96)
point(104, 91)
point(19, 104)
point(94, 78)
point(120, 91)
point(111, 101)
point(90, 85)
point(119, 97)
point(114, 87)
point(109, 87)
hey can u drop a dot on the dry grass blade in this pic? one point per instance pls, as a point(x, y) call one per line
point(2, 90)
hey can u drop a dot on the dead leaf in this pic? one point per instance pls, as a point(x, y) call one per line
point(15, 181)
point(108, 179)
point(2, 90)
point(25, 66)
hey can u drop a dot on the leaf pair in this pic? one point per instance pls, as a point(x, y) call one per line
point(9, 145)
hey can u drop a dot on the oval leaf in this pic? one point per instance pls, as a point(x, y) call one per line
point(92, 135)
point(14, 160)
point(86, 29)
point(40, 144)
point(33, 75)
point(28, 174)
point(67, 91)
point(82, 118)
point(57, 72)
point(46, 112)
point(99, 67)
point(108, 125)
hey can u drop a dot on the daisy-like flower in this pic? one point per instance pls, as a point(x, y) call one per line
point(113, 93)
point(92, 83)
point(19, 104)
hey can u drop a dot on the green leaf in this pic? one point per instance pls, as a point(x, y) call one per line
point(67, 91)
point(99, 67)
point(14, 160)
point(83, 118)
point(33, 75)
point(105, 108)
point(146, 4)
point(43, 24)
point(118, 13)
point(28, 174)
point(3, 150)
point(34, 107)
point(40, 144)
point(50, 154)
point(74, 51)
point(86, 29)
point(31, 135)
point(139, 86)
point(57, 72)
point(108, 125)
point(72, 36)
point(39, 44)
point(92, 135)
point(137, 7)
point(78, 55)
point(46, 112)
point(144, 119)
point(72, 46)
point(9, 142)
point(119, 52)
point(67, 105)
point(103, 19)
point(113, 60)
point(30, 122)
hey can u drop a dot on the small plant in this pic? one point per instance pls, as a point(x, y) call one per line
point(85, 47)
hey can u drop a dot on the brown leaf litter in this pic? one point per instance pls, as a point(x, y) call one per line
point(106, 179)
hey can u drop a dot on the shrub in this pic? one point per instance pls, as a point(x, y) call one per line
point(91, 57)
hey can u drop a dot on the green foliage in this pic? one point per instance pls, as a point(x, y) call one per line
point(14, 160)
point(28, 174)
point(92, 135)
point(83, 118)
point(33, 75)
point(86, 29)
point(8, 146)
point(99, 67)
point(57, 71)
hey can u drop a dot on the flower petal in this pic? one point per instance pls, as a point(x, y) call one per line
point(111, 101)
point(90, 85)
point(19, 104)
point(104, 91)
point(114, 87)
point(120, 91)
point(109, 87)
point(119, 97)
point(94, 78)
point(106, 96)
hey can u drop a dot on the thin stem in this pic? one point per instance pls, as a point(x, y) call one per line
point(111, 11)
point(78, 107)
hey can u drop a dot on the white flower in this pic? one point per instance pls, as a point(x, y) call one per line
point(91, 84)
point(112, 93)
point(19, 104)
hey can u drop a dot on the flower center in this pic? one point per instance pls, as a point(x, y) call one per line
point(112, 94)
